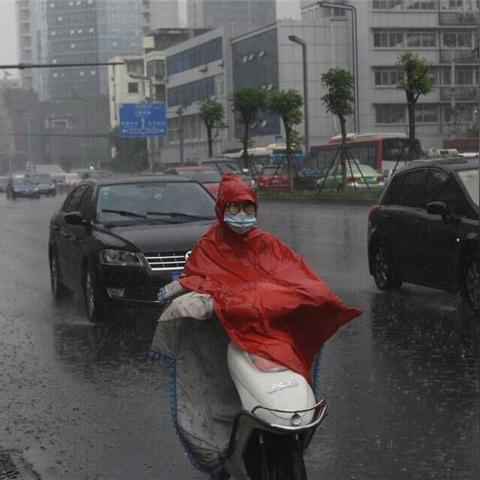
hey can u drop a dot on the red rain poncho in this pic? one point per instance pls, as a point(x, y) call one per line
point(267, 298)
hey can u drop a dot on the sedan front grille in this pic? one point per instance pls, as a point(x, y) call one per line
point(159, 262)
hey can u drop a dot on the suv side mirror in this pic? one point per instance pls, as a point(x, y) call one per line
point(438, 208)
point(75, 218)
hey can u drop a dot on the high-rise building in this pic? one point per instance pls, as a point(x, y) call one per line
point(160, 14)
point(239, 15)
point(88, 31)
point(30, 41)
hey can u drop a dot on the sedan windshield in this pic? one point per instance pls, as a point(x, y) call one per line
point(469, 179)
point(184, 201)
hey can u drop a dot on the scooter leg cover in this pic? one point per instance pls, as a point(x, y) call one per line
point(204, 400)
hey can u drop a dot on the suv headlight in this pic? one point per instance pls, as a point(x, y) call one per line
point(121, 258)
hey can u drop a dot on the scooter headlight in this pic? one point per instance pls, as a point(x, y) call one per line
point(296, 420)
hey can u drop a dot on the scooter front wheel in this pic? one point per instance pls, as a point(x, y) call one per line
point(288, 467)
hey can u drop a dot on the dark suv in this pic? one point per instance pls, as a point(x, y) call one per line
point(424, 229)
point(117, 241)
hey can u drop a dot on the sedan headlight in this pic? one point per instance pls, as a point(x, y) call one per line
point(121, 258)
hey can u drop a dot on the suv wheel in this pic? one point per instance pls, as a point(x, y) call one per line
point(383, 272)
point(58, 288)
point(471, 283)
point(95, 312)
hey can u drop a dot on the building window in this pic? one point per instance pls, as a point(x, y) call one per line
point(387, 4)
point(420, 5)
point(457, 39)
point(455, 4)
point(464, 76)
point(390, 113)
point(426, 113)
point(461, 113)
point(156, 68)
point(132, 87)
point(191, 92)
point(203, 54)
point(421, 39)
point(388, 39)
point(388, 77)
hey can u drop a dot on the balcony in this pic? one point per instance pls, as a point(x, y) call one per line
point(458, 18)
point(457, 56)
point(459, 93)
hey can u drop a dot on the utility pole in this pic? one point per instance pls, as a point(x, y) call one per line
point(180, 133)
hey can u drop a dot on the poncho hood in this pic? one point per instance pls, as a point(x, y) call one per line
point(269, 301)
point(232, 189)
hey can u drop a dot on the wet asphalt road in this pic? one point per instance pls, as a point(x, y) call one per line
point(83, 402)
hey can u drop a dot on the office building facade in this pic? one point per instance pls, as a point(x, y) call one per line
point(443, 32)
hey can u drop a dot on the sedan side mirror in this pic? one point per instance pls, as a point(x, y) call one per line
point(75, 218)
point(438, 208)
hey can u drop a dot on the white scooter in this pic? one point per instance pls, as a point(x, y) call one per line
point(279, 413)
point(279, 417)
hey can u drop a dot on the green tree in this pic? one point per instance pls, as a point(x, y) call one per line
point(130, 155)
point(339, 101)
point(248, 102)
point(416, 82)
point(212, 114)
point(288, 105)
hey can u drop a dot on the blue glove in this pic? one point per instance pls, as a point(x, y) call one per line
point(161, 296)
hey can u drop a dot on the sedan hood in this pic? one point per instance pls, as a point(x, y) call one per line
point(157, 238)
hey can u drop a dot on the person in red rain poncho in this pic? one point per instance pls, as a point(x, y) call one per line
point(269, 301)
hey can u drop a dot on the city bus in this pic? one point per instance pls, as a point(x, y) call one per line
point(380, 151)
point(272, 154)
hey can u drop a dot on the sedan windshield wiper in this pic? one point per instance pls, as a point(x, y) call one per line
point(179, 214)
point(124, 213)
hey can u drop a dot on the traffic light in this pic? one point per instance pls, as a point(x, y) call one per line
point(91, 166)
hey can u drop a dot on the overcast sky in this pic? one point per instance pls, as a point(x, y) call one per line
point(8, 35)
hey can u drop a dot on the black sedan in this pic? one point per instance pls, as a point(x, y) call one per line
point(117, 241)
point(424, 229)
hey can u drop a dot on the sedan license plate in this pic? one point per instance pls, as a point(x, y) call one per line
point(176, 275)
point(276, 180)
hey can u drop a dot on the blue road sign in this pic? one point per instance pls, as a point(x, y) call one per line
point(142, 120)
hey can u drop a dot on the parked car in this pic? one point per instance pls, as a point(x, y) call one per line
point(20, 186)
point(424, 229)
point(359, 177)
point(272, 177)
point(230, 166)
point(207, 176)
point(46, 185)
point(117, 241)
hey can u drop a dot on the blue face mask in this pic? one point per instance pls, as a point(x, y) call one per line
point(241, 222)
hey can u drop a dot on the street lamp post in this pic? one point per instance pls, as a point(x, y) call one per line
point(303, 44)
point(353, 10)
